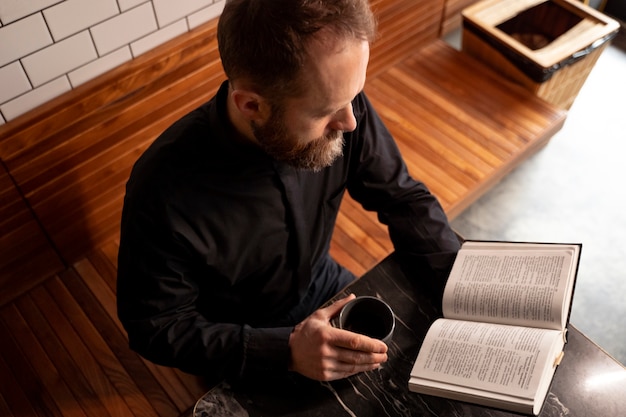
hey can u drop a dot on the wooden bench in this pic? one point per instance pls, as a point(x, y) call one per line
point(460, 127)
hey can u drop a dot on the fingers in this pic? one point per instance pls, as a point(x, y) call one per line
point(339, 370)
point(342, 363)
point(357, 342)
point(353, 357)
point(336, 307)
point(354, 353)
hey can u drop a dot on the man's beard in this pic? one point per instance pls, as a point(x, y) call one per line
point(314, 155)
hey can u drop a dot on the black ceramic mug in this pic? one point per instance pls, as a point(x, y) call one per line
point(367, 315)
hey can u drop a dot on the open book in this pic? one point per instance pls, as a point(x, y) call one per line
point(506, 306)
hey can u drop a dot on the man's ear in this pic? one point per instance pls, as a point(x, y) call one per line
point(252, 106)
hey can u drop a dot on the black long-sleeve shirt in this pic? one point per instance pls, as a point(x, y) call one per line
point(218, 240)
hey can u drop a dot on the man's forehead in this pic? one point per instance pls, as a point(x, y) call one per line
point(336, 72)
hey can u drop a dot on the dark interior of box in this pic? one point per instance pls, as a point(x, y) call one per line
point(540, 25)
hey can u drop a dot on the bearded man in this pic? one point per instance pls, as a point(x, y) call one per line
point(228, 216)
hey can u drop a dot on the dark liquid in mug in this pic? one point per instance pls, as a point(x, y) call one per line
point(367, 323)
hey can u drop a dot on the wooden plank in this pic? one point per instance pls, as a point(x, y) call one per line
point(5, 410)
point(66, 364)
point(344, 257)
point(158, 390)
point(105, 269)
point(110, 250)
point(105, 298)
point(435, 115)
point(83, 356)
point(113, 369)
point(358, 253)
point(368, 222)
point(360, 237)
point(49, 383)
point(13, 396)
point(96, 226)
point(104, 294)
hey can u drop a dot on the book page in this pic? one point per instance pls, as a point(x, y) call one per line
point(521, 285)
point(511, 360)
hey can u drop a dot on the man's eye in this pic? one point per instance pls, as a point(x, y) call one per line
point(323, 115)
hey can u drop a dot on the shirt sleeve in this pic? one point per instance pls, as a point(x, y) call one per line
point(158, 295)
point(381, 182)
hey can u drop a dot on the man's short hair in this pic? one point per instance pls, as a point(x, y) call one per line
point(264, 42)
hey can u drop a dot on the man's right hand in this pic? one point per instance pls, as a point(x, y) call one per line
point(322, 352)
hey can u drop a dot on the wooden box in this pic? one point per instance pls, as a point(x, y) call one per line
point(548, 46)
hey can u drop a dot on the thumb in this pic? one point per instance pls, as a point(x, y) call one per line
point(333, 309)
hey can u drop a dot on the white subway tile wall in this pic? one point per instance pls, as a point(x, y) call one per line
point(124, 28)
point(168, 11)
point(159, 37)
point(206, 14)
point(50, 63)
point(48, 47)
point(128, 4)
point(72, 16)
point(19, 82)
point(22, 38)
point(12, 10)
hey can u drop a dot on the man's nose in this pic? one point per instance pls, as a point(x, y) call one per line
point(344, 120)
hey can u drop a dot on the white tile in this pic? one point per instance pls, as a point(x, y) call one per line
point(125, 28)
point(13, 81)
point(12, 10)
point(23, 37)
point(159, 37)
point(73, 16)
point(129, 4)
point(99, 66)
point(11, 109)
point(169, 11)
point(206, 14)
point(58, 59)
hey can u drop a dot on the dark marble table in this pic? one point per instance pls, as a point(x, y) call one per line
point(588, 382)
